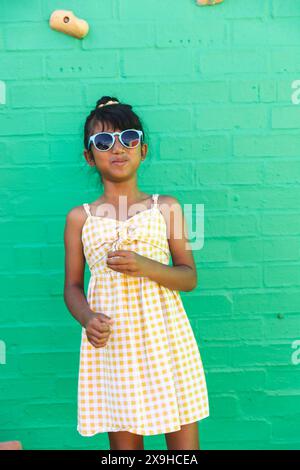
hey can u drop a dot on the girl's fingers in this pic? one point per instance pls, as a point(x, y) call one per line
point(98, 337)
point(97, 343)
point(99, 327)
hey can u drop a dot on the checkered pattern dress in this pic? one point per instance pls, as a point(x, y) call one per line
point(149, 378)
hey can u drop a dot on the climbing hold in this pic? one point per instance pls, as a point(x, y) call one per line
point(66, 22)
point(11, 445)
point(208, 2)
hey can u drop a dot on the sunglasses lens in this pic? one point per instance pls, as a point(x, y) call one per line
point(130, 138)
point(103, 141)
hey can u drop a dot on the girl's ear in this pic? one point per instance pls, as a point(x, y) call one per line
point(144, 150)
point(89, 157)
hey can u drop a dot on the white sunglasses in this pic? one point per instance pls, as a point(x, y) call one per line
point(103, 141)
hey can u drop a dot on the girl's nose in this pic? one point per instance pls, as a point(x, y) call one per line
point(117, 144)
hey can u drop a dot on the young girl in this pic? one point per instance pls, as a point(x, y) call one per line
point(140, 367)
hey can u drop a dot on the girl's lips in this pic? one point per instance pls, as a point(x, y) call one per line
point(119, 163)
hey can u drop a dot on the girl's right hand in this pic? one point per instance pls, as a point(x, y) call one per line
point(98, 329)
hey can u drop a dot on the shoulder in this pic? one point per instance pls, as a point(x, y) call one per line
point(172, 212)
point(76, 216)
point(168, 202)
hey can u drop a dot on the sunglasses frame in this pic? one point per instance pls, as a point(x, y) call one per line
point(92, 139)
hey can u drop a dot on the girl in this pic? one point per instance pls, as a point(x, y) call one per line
point(140, 367)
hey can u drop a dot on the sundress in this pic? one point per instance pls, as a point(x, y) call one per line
point(148, 378)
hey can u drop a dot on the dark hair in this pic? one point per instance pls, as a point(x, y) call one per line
point(119, 116)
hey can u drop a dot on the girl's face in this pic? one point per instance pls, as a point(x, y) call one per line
point(105, 161)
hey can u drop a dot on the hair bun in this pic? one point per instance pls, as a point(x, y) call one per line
point(106, 100)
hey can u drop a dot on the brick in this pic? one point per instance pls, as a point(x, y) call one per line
point(244, 91)
point(240, 9)
point(280, 378)
point(23, 389)
point(231, 277)
point(286, 427)
point(280, 223)
point(35, 36)
point(131, 35)
point(48, 363)
point(36, 178)
point(238, 430)
point(267, 91)
point(34, 151)
point(14, 67)
point(161, 174)
point(288, 90)
point(268, 404)
point(27, 256)
point(266, 302)
point(234, 380)
point(286, 9)
point(27, 11)
point(282, 172)
point(231, 117)
point(212, 91)
point(233, 61)
point(250, 33)
point(285, 117)
point(261, 355)
point(275, 145)
point(154, 64)
point(215, 251)
point(61, 122)
point(100, 64)
point(229, 330)
point(51, 256)
point(225, 406)
point(280, 328)
point(282, 275)
point(191, 34)
point(278, 249)
point(230, 225)
point(51, 413)
point(212, 304)
point(65, 388)
point(265, 198)
point(29, 123)
point(206, 147)
point(32, 231)
point(229, 173)
point(39, 95)
point(285, 59)
point(247, 250)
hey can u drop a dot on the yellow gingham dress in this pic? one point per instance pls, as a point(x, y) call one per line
point(149, 378)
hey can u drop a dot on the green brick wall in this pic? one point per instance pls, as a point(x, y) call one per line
point(213, 87)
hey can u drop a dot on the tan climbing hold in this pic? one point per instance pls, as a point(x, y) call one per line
point(66, 22)
point(11, 445)
point(208, 2)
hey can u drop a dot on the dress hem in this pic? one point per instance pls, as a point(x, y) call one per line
point(136, 431)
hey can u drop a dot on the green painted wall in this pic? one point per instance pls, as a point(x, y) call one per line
point(213, 87)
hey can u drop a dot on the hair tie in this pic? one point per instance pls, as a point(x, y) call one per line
point(109, 102)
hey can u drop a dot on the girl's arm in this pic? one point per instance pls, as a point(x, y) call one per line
point(74, 295)
point(183, 274)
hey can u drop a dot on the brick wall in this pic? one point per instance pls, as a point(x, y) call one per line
point(213, 87)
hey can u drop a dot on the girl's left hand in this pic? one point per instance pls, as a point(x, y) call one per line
point(128, 262)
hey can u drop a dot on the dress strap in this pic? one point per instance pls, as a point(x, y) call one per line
point(155, 199)
point(87, 209)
